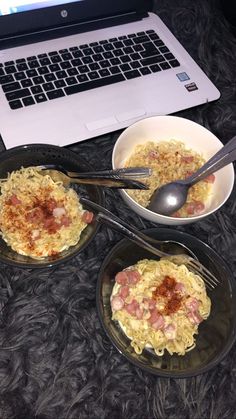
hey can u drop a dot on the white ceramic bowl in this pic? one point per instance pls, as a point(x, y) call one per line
point(196, 137)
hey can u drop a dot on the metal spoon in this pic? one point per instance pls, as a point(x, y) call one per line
point(119, 178)
point(171, 197)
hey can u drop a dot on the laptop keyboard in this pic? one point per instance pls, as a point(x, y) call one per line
point(36, 79)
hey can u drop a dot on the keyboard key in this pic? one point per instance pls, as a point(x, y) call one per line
point(135, 64)
point(118, 52)
point(72, 71)
point(36, 89)
point(15, 104)
point(87, 60)
point(40, 98)
point(169, 56)
point(115, 70)
point(108, 47)
point(118, 44)
point(60, 83)
point(104, 64)
point(31, 73)
point(55, 94)
point(94, 66)
point(11, 86)
point(38, 80)
point(107, 55)
point(77, 54)
point(54, 67)
point(61, 74)
point(132, 74)
point(56, 59)
point(128, 42)
point(83, 69)
point(98, 49)
point(152, 60)
point(155, 68)
point(82, 78)
point(18, 94)
point(164, 49)
point(11, 69)
point(125, 59)
point(88, 51)
point(115, 61)
point(26, 83)
point(48, 86)
point(104, 72)
point(145, 70)
point(65, 64)
point(22, 67)
point(141, 39)
point(174, 63)
point(19, 76)
point(9, 63)
point(71, 80)
point(33, 64)
point(28, 101)
point(70, 90)
point(93, 75)
point(45, 61)
point(164, 66)
point(66, 56)
point(2, 72)
point(43, 70)
point(76, 62)
point(125, 67)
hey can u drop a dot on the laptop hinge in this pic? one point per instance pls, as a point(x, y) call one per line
point(71, 29)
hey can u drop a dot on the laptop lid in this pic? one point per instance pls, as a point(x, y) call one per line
point(22, 19)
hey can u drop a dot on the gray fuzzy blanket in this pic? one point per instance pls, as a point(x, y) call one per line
point(55, 359)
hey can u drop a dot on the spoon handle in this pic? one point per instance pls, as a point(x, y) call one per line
point(224, 156)
point(106, 217)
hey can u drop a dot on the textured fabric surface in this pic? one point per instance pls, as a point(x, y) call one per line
point(55, 359)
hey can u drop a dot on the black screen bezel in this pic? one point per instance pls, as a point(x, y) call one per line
point(78, 12)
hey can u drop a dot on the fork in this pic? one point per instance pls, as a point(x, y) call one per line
point(118, 178)
point(105, 216)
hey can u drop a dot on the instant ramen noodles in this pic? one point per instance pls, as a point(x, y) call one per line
point(169, 161)
point(159, 305)
point(39, 217)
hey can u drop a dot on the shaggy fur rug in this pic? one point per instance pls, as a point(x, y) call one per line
point(55, 359)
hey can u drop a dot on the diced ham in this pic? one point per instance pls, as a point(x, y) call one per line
point(133, 276)
point(121, 278)
point(87, 217)
point(192, 304)
point(14, 200)
point(65, 221)
point(153, 154)
point(170, 331)
point(124, 291)
point(132, 307)
point(159, 323)
point(210, 179)
point(139, 313)
point(51, 204)
point(35, 234)
point(51, 225)
point(117, 303)
point(58, 211)
point(36, 215)
point(199, 207)
point(154, 316)
point(149, 303)
point(180, 287)
point(195, 317)
point(195, 207)
point(187, 159)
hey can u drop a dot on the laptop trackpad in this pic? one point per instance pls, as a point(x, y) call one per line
point(121, 117)
point(134, 113)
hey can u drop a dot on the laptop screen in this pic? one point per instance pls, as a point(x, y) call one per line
point(8, 7)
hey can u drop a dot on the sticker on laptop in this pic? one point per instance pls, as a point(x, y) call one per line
point(182, 76)
point(191, 87)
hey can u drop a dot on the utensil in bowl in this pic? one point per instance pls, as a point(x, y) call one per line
point(171, 197)
point(216, 335)
point(194, 137)
point(36, 155)
point(120, 178)
point(106, 217)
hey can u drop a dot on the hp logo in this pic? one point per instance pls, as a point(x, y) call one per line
point(64, 13)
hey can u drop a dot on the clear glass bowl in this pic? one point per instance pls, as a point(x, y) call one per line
point(216, 334)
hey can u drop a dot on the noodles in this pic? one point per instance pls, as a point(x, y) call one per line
point(159, 305)
point(39, 217)
point(171, 160)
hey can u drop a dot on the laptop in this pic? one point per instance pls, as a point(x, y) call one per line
point(74, 70)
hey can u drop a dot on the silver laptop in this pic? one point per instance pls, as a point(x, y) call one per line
point(74, 70)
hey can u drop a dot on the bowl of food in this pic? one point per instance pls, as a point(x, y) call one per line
point(161, 317)
point(42, 222)
point(173, 148)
